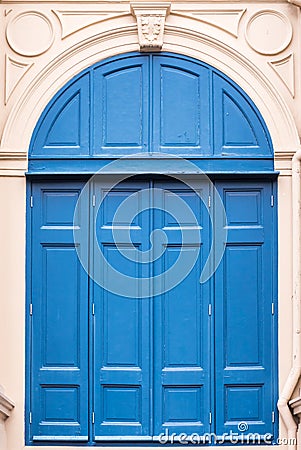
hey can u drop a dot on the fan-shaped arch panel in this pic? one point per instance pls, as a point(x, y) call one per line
point(238, 127)
point(63, 129)
point(152, 104)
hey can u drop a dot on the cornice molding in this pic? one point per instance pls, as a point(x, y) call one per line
point(288, 156)
point(6, 406)
point(13, 156)
point(118, 2)
point(295, 405)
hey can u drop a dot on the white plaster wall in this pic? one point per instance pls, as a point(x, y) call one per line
point(69, 36)
point(230, 37)
point(12, 305)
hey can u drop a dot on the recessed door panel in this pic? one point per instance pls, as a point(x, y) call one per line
point(121, 108)
point(181, 107)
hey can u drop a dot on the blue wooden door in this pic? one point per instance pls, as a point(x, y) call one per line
point(59, 315)
point(153, 349)
point(129, 347)
point(244, 311)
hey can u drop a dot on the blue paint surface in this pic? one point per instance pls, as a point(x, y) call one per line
point(144, 365)
point(60, 317)
point(151, 104)
point(244, 320)
point(160, 362)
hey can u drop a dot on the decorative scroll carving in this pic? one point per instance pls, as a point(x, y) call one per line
point(151, 27)
point(150, 20)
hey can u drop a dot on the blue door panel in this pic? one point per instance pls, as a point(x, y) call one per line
point(235, 123)
point(181, 121)
point(122, 331)
point(244, 320)
point(64, 127)
point(61, 343)
point(60, 318)
point(181, 321)
point(121, 108)
point(244, 263)
point(152, 103)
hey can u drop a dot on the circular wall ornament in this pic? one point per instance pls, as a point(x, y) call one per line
point(30, 33)
point(269, 32)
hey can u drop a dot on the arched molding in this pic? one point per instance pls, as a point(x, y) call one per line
point(122, 38)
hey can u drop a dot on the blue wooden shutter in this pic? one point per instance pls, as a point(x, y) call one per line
point(122, 324)
point(238, 130)
point(59, 395)
point(181, 107)
point(63, 130)
point(244, 296)
point(181, 315)
point(121, 107)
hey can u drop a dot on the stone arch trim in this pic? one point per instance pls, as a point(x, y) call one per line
point(122, 38)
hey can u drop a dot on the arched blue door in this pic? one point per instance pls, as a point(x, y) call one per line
point(151, 104)
point(109, 362)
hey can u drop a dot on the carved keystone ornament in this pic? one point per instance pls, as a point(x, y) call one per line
point(150, 20)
